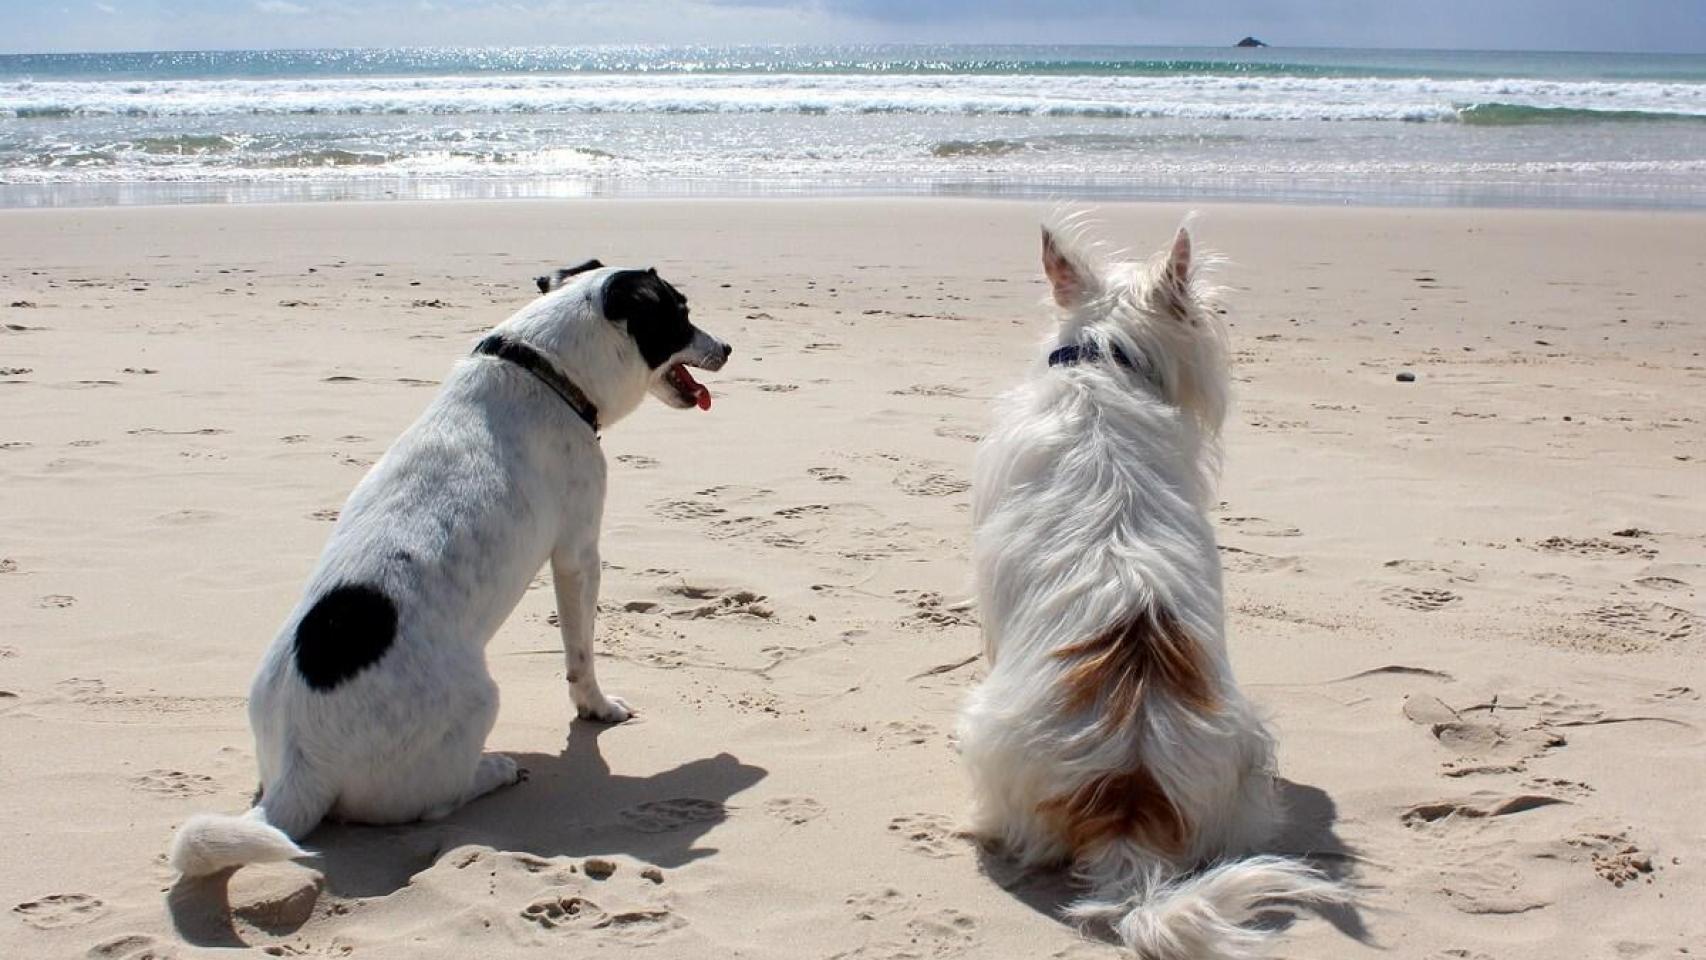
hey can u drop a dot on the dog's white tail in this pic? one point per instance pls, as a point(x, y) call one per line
point(1202, 917)
point(210, 842)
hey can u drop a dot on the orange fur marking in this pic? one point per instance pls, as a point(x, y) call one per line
point(1119, 667)
point(1119, 806)
point(1118, 670)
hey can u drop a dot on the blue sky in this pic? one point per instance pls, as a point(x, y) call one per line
point(1625, 25)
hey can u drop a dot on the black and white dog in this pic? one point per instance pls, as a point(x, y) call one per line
point(374, 702)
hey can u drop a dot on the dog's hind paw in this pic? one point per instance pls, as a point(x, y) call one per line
point(606, 710)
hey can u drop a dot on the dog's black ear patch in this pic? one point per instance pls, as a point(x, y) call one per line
point(554, 280)
point(346, 631)
point(655, 312)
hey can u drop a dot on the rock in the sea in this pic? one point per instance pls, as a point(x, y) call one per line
point(1249, 42)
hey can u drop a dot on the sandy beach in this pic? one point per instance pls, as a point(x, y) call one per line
point(1474, 604)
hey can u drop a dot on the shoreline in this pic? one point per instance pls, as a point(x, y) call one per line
point(1461, 196)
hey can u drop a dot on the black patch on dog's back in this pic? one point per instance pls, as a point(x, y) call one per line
point(345, 632)
point(655, 312)
point(552, 281)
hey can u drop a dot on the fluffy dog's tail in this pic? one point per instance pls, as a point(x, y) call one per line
point(209, 842)
point(1202, 917)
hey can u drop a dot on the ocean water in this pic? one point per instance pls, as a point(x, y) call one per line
point(1339, 126)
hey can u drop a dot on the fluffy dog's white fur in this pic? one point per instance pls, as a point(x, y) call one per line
point(497, 476)
point(1110, 733)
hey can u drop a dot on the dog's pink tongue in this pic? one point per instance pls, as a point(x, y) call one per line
point(701, 396)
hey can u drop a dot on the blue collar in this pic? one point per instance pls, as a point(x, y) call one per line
point(1075, 353)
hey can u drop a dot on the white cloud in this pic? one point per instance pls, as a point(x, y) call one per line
point(280, 6)
point(106, 8)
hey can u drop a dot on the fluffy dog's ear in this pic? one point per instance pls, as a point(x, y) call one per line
point(1068, 278)
point(555, 280)
point(1172, 290)
point(1179, 257)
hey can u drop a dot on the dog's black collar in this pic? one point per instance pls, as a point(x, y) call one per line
point(1089, 352)
point(534, 362)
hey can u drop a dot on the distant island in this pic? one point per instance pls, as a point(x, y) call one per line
point(1249, 42)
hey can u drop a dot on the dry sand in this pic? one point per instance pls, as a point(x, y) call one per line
point(1473, 603)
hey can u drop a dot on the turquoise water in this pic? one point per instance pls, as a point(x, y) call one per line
point(1356, 126)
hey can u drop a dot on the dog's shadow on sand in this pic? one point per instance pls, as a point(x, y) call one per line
point(571, 804)
point(1308, 835)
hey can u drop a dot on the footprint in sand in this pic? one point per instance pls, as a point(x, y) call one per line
point(553, 912)
point(686, 509)
point(174, 783)
point(826, 475)
point(1658, 621)
point(1613, 857)
point(130, 946)
point(636, 461)
point(904, 733)
point(59, 910)
point(1479, 806)
point(1260, 527)
point(872, 904)
point(929, 390)
point(8, 565)
point(1594, 548)
point(1623, 628)
point(730, 603)
point(572, 912)
point(734, 527)
point(1449, 572)
point(930, 610)
point(1558, 786)
point(187, 517)
point(1238, 560)
point(919, 484)
point(195, 432)
point(929, 834)
point(939, 933)
point(794, 810)
point(55, 601)
point(1482, 744)
point(943, 932)
point(662, 816)
point(327, 514)
point(952, 432)
point(1419, 599)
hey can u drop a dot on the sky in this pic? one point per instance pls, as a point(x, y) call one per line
point(1616, 25)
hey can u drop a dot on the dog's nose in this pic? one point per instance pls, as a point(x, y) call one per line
point(727, 351)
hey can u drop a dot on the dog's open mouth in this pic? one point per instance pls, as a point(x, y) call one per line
point(692, 392)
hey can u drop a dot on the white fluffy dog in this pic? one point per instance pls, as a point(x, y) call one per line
point(374, 702)
point(1110, 733)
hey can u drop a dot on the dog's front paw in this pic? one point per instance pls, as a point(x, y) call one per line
point(605, 710)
